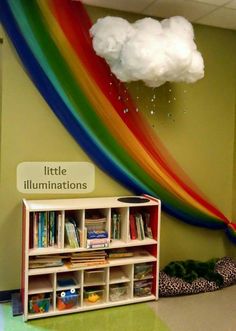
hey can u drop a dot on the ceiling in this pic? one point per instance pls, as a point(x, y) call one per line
point(220, 13)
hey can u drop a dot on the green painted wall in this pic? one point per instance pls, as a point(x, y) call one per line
point(197, 126)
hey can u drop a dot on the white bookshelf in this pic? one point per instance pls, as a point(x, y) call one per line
point(115, 282)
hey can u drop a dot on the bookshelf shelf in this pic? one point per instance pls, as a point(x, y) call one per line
point(39, 284)
point(85, 254)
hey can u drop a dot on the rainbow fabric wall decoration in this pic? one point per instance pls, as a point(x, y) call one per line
point(52, 39)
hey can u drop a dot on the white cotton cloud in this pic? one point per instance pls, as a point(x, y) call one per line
point(149, 50)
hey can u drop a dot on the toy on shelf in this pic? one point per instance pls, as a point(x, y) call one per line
point(67, 299)
point(142, 288)
point(143, 271)
point(39, 303)
point(93, 296)
point(118, 292)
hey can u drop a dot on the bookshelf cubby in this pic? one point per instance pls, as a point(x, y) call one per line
point(84, 254)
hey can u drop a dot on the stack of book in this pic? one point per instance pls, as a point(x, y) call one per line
point(95, 230)
point(88, 258)
point(140, 226)
point(45, 261)
point(97, 239)
point(95, 221)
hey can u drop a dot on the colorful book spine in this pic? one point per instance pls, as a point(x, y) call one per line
point(116, 226)
point(51, 228)
point(133, 230)
point(36, 228)
point(94, 234)
point(76, 231)
point(141, 226)
point(71, 234)
point(113, 226)
point(59, 230)
point(45, 230)
point(138, 228)
point(40, 230)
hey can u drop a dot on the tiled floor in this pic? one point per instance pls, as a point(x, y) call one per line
point(215, 311)
point(212, 311)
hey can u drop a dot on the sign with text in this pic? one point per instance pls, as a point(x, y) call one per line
point(55, 177)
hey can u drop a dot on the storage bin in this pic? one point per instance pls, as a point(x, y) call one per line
point(94, 276)
point(118, 292)
point(142, 288)
point(93, 295)
point(38, 304)
point(142, 271)
point(67, 300)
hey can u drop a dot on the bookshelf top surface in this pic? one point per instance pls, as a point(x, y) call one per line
point(86, 203)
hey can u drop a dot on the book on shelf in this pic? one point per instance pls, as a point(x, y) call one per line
point(35, 229)
point(45, 261)
point(133, 230)
point(40, 229)
point(140, 226)
point(51, 228)
point(99, 242)
point(147, 227)
point(120, 252)
point(97, 239)
point(71, 265)
point(71, 233)
point(94, 215)
point(88, 258)
point(82, 237)
point(94, 220)
point(97, 234)
point(76, 229)
point(59, 230)
point(115, 226)
point(45, 229)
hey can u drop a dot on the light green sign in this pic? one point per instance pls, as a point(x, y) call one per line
point(55, 177)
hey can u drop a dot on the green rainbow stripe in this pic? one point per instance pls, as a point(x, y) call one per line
point(52, 39)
